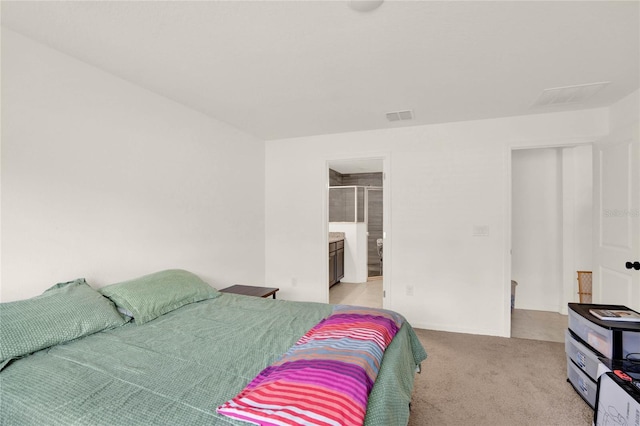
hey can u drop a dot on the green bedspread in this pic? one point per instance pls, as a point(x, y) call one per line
point(176, 369)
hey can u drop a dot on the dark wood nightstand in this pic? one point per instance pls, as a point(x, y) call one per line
point(249, 290)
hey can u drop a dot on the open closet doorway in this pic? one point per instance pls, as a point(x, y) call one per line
point(356, 231)
point(551, 236)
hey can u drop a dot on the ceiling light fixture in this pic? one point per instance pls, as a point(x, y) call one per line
point(365, 5)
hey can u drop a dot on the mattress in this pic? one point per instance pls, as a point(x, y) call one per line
point(179, 367)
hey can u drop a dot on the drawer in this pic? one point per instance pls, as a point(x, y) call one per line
point(599, 338)
point(332, 247)
point(339, 244)
point(585, 387)
point(581, 355)
point(613, 339)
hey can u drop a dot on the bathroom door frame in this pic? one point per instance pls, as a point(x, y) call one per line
point(385, 157)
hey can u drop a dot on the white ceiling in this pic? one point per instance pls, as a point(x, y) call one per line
point(297, 68)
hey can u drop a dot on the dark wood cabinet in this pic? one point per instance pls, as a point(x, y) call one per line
point(336, 262)
point(332, 268)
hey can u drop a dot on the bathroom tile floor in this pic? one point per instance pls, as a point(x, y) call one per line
point(367, 294)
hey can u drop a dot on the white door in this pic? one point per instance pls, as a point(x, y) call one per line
point(617, 219)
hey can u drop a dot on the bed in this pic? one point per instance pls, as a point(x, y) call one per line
point(164, 349)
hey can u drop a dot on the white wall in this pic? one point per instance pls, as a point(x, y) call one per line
point(104, 180)
point(626, 112)
point(444, 181)
point(579, 162)
point(577, 216)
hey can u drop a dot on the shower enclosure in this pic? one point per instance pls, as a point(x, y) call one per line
point(361, 204)
point(374, 231)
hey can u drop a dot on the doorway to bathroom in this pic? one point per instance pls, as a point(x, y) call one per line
point(356, 213)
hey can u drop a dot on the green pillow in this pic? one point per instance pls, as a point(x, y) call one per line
point(64, 312)
point(152, 295)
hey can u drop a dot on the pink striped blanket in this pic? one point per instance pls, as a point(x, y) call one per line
point(326, 377)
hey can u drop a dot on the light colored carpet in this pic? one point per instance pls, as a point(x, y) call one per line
point(484, 380)
point(539, 325)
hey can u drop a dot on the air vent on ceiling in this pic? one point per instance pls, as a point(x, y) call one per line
point(569, 94)
point(400, 115)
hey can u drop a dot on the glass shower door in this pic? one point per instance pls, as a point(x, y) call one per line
point(374, 232)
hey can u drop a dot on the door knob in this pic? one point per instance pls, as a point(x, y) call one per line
point(634, 265)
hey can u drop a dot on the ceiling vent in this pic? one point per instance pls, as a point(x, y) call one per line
point(569, 94)
point(400, 115)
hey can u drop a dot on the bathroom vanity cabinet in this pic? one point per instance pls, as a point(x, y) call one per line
point(336, 262)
